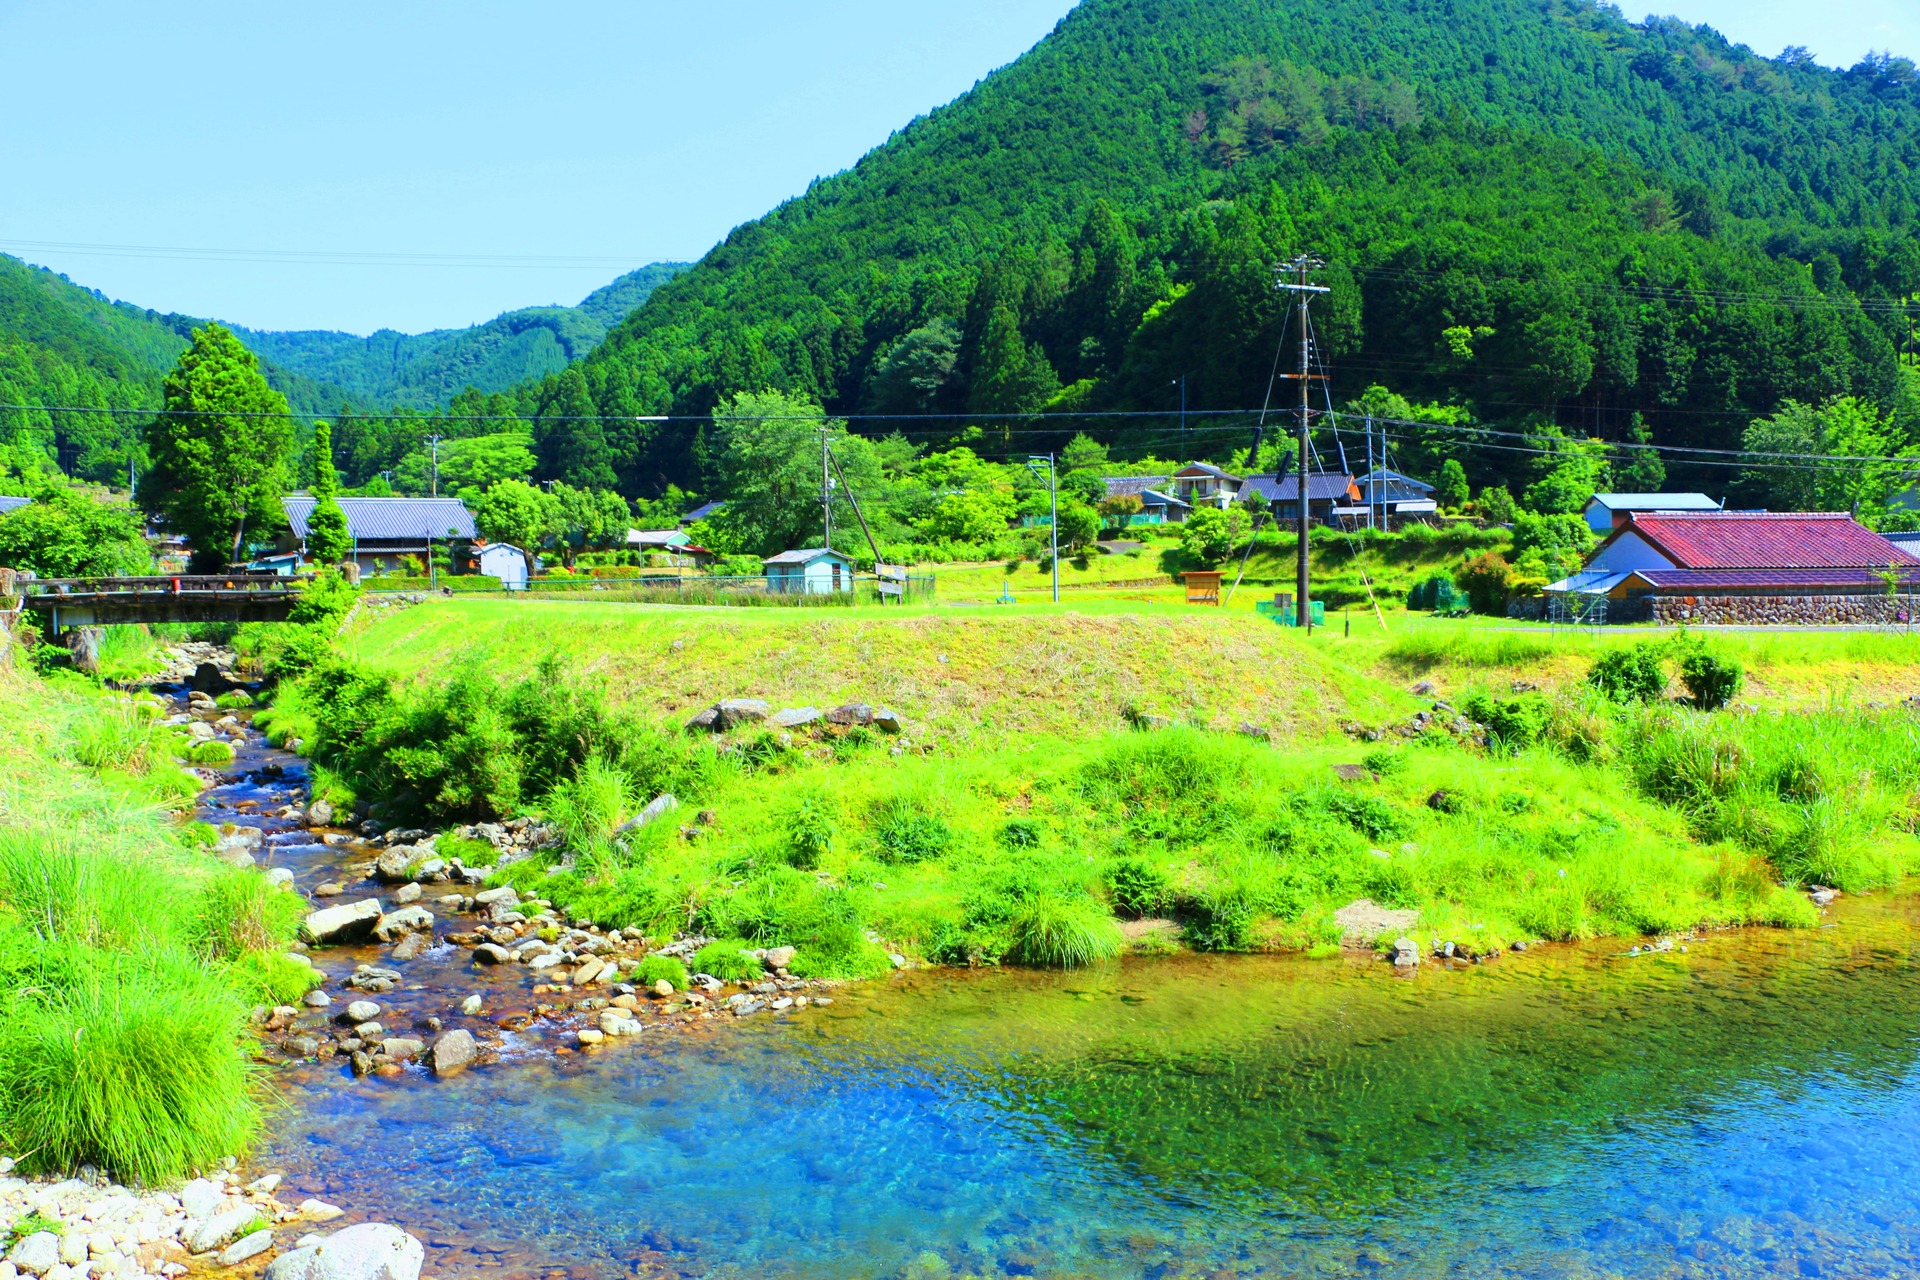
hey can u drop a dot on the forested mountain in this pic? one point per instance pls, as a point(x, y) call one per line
point(1533, 211)
point(68, 346)
point(425, 370)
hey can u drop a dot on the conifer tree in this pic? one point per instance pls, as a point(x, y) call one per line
point(328, 540)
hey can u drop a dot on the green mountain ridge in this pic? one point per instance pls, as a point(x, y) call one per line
point(62, 344)
point(1534, 210)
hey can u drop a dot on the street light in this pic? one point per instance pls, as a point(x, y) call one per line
point(1053, 531)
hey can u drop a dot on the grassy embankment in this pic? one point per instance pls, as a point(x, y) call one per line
point(129, 957)
point(1020, 814)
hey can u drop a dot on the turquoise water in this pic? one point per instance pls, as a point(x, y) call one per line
point(1746, 1109)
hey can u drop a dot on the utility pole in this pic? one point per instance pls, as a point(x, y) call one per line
point(1373, 480)
point(1182, 380)
point(433, 442)
point(1302, 269)
point(826, 488)
point(1053, 533)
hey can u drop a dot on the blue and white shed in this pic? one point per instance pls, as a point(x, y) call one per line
point(498, 560)
point(813, 571)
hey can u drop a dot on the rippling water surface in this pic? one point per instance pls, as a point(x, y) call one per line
point(1745, 1109)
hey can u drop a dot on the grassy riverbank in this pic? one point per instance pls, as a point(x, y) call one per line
point(129, 957)
point(1020, 817)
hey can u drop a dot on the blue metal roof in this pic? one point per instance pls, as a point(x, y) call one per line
point(12, 504)
point(389, 519)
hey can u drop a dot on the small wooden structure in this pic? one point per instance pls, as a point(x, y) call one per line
point(810, 571)
point(1203, 586)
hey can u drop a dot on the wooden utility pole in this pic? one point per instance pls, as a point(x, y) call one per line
point(1302, 269)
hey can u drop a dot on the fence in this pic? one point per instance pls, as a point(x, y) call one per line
point(749, 590)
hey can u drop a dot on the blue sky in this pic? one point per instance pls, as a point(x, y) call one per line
point(429, 164)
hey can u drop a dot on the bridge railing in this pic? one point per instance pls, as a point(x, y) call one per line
point(157, 585)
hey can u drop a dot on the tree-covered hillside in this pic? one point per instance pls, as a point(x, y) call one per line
point(425, 370)
point(1534, 211)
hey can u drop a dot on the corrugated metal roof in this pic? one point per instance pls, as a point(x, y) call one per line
point(803, 556)
point(1206, 469)
point(1763, 540)
point(702, 511)
point(1707, 580)
point(1655, 502)
point(12, 504)
point(1321, 487)
point(1155, 498)
point(1390, 478)
point(1131, 486)
point(389, 519)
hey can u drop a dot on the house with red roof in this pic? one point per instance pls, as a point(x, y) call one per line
point(1807, 567)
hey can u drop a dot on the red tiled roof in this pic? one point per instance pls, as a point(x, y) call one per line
point(1767, 540)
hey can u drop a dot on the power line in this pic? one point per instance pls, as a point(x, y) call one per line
point(324, 256)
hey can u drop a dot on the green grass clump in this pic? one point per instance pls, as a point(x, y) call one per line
point(32, 1224)
point(128, 957)
point(727, 961)
point(1062, 932)
point(662, 968)
point(212, 752)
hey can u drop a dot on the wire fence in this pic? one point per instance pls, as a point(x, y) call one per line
point(743, 591)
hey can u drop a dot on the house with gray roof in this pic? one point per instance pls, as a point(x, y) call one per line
point(1157, 506)
point(386, 529)
point(1327, 495)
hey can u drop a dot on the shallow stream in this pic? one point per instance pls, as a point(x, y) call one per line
point(1748, 1108)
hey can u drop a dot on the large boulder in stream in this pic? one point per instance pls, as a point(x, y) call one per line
point(405, 920)
point(349, 922)
point(368, 1251)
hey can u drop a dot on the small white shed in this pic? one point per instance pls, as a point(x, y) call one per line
point(509, 564)
point(812, 571)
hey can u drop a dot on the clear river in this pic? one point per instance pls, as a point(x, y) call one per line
point(1750, 1107)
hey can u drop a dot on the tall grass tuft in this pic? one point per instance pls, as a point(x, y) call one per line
point(124, 1061)
point(1057, 931)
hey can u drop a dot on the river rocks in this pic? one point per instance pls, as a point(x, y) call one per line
point(662, 988)
point(705, 720)
point(246, 1247)
point(36, 1254)
point(591, 970)
point(411, 946)
point(453, 1051)
point(1823, 896)
point(471, 1006)
point(401, 1049)
point(372, 979)
point(851, 714)
point(405, 920)
point(320, 813)
point(392, 867)
point(589, 1036)
point(318, 1211)
point(331, 889)
point(490, 897)
point(351, 922)
point(659, 805)
point(280, 878)
point(316, 999)
point(361, 1011)
point(224, 1226)
point(201, 1197)
point(407, 894)
point(793, 717)
point(1406, 953)
point(368, 1251)
point(491, 953)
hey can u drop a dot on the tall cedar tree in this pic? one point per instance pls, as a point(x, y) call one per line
point(573, 447)
point(219, 451)
point(328, 539)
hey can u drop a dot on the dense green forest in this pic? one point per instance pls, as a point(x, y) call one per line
point(1536, 214)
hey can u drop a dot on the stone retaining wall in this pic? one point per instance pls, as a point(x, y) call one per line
point(1809, 610)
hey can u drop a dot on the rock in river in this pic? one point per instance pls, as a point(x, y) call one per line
point(490, 953)
point(392, 866)
point(36, 1254)
point(453, 1051)
point(349, 922)
point(362, 1011)
point(405, 920)
point(368, 1251)
point(222, 1227)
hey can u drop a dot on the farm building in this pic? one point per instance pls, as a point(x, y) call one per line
point(498, 560)
point(1745, 567)
point(812, 571)
point(384, 530)
point(1325, 494)
point(1608, 511)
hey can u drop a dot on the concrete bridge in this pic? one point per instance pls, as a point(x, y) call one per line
point(62, 603)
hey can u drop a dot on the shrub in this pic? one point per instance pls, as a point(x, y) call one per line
point(1712, 681)
point(906, 834)
point(1632, 673)
point(1139, 888)
point(662, 969)
point(727, 961)
point(1486, 579)
point(1062, 932)
point(810, 830)
point(1220, 920)
point(1020, 833)
point(1513, 724)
